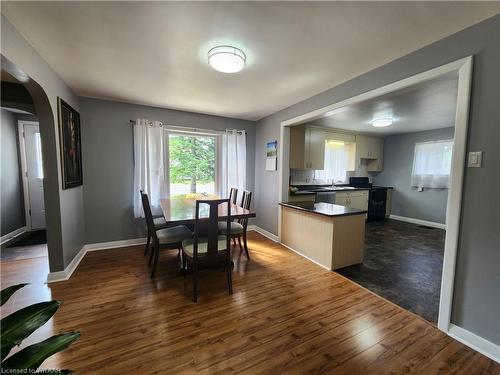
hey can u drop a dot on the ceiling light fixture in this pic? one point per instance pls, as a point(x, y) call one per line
point(226, 59)
point(382, 122)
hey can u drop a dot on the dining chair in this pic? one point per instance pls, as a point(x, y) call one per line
point(208, 247)
point(233, 195)
point(159, 223)
point(163, 238)
point(239, 227)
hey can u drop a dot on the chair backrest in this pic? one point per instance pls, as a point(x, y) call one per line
point(246, 200)
point(147, 213)
point(211, 225)
point(233, 195)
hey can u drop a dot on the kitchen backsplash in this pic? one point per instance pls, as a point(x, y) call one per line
point(304, 177)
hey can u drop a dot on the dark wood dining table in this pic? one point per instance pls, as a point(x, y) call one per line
point(177, 211)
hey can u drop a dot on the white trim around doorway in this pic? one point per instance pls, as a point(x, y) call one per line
point(24, 168)
point(464, 69)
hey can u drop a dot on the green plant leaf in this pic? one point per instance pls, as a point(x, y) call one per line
point(6, 293)
point(33, 356)
point(22, 323)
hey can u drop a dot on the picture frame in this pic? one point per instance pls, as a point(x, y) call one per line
point(70, 145)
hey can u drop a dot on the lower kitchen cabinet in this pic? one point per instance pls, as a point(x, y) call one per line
point(354, 199)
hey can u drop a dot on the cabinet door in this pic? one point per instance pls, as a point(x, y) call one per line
point(341, 199)
point(362, 146)
point(298, 157)
point(359, 201)
point(315, 141)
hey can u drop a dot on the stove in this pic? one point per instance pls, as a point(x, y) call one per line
point(377, 197)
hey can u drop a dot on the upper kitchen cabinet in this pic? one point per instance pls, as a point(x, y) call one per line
point(307, 148)
point(370, 152)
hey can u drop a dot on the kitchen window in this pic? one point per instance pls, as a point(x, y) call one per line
point(432, 164)
point(336, 162)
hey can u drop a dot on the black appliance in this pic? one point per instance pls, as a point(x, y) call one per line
point(377, 197)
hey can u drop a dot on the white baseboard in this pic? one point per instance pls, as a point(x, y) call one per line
point(114, 244)
point(53, 277)
point(9, 236)
point(418, 221)
point(264, 232)
point(475, 342)
point(68, 271)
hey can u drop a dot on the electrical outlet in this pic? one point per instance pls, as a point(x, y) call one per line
point(475, 159)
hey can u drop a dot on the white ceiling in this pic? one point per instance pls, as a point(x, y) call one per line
point(424, 106)
point(154, 53)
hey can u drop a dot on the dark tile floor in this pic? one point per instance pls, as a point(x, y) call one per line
point(403, 263)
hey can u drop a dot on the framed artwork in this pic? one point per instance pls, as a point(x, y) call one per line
point(271, 155)
point(70, 144)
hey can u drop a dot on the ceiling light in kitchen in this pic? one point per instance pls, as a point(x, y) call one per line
point(382, 122)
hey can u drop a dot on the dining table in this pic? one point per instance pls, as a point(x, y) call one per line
point(181, 210)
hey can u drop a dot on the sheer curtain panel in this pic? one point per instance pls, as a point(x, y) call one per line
point(150, 163)
point(233, 164)
point(432, 164)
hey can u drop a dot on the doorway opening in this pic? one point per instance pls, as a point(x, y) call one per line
point(23, 209)
point(371, 160)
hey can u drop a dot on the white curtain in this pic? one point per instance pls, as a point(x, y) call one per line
point(233, 162)
point(335, 163)
point(150, 163)
point(432, 164)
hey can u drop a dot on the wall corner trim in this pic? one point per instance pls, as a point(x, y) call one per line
point(9, 236)
point(264, 232)
point(53, 277)
point(426, 223)
point(475, 342)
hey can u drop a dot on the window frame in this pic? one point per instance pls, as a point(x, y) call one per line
point(217, 136)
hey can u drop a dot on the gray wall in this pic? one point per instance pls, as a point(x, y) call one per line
point(429, 204)
point(108, 162)
point(11, 185)
point(476, 299)
point(63, 208)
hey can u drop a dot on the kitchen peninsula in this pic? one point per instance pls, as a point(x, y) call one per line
point(328, 234)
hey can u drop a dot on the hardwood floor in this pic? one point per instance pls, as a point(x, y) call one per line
point(286, 315)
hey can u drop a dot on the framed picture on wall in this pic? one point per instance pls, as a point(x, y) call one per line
point(70, 145)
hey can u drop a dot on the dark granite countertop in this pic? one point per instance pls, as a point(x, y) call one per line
point(303, 192)
point(325, 209)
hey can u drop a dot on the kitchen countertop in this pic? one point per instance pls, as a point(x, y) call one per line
point(325, 209)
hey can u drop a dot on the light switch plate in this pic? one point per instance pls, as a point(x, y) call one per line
point(475, 159)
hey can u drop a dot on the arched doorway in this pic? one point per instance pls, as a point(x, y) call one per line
point(48, 131)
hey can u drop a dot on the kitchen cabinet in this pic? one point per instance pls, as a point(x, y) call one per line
point(353, 199)
point(307, 148)
point(370, 152)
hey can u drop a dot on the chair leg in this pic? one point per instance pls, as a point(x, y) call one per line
point(146, 249)
point(234, 241)
point(195, 282)
point(229, 278)
point(245, 243)
point(156, 254)
point(151, 254)
point(184, 266)
point(239, 243)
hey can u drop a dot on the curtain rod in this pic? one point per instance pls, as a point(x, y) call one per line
point(185, 128)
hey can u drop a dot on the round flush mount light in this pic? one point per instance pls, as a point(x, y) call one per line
point(382, 122)
point(227, 59)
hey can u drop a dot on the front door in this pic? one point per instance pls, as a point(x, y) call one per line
point(34, 174)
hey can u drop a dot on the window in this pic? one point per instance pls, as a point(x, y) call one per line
point(38, 155)
point(336, 162)
point(432, 164)
point(192, 164)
